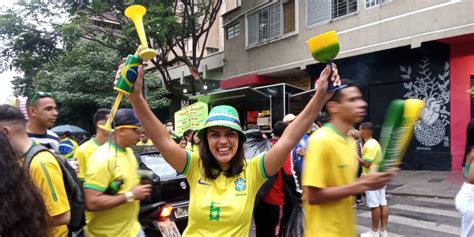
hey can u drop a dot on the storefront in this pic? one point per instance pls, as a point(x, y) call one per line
point(258, 107)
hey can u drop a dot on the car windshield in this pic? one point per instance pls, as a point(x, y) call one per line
point(156, 163)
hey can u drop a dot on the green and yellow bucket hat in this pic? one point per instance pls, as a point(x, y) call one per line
point(225, 116)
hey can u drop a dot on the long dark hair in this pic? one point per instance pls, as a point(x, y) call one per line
point(22, 210)
point(469, 139)
point(212, 169)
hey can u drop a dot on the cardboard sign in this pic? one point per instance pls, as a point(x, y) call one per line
point(191, 117)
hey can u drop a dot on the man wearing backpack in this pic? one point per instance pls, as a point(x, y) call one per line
point(112, 185)
point(44, 169)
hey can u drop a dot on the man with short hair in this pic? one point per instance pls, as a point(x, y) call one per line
point(42, 114)
point(112, 186)
point(330, 169)
point(44, 169)
point(376, 201)
point(87, 149)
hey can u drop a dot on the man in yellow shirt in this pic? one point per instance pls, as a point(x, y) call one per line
point(112, 186)
point(330, 168)
point(44, 170)
point(376, 201)
point(87, 149)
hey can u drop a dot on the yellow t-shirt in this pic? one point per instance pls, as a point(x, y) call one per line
point(148, 143)
point(113, 163)
point(48, 177)
point(373, 153)
point(83, 154)
point(330, 160)
point(224, 206)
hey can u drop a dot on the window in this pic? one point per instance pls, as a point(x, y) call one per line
point(372, 3)
point(211, 50)
point(264, 25)
point(318, 11)
point(233, 31)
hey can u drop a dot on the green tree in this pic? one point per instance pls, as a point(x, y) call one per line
point(171, 27)
point(81, 81)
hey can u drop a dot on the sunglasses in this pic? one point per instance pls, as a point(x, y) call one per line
point(38, 95)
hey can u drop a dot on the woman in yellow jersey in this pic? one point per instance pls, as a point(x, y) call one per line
point(26, 216)
point(223, 185)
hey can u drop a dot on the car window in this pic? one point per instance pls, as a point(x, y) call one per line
point(156, 163)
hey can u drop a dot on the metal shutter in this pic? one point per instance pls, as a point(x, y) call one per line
point(317, 11)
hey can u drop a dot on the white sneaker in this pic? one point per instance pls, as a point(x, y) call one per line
point(370, 233)
point(383, 233)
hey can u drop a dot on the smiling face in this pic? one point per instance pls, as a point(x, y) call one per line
point(223, 144)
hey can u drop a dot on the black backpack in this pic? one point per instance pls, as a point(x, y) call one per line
point(72, 185)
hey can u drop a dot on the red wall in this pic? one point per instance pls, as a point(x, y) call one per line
point(462, 68)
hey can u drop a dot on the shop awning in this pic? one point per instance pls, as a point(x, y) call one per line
point(244, 96)
point(247, 80)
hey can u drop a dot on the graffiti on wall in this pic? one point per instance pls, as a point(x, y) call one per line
point(433, 89)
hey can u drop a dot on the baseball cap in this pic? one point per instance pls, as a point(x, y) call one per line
point(289, 118)
point(125, 118)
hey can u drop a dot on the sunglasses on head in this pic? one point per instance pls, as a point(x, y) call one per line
point(38, 95)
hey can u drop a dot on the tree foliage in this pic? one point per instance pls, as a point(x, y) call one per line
point(173, 28)
point(81, 82)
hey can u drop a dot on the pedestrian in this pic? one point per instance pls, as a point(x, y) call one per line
point(144, 140)
point(223, 185)
point(188, 135)
point(112, 185)
point(376, 200)
point(330, 169)
point(297, 153)
point(45, 170)
point(465, 197)
point(68, 146)
point(42, 113)
point(170, 128)
point(182, 142)
point(355, 134)
point(195, 142)
point(17, 183)
point(87, 149)
point(270, 209)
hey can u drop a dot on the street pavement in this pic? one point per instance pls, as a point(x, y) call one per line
point(416, 216)
point(421, 204)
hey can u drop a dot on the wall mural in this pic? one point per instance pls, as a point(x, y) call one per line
point(434, 91)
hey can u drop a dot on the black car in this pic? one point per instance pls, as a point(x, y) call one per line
point(167, 206)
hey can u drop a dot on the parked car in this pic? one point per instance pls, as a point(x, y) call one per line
point(165, 212)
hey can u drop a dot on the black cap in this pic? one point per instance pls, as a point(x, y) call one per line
point(125, 117)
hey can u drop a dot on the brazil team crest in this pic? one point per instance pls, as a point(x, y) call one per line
point(240, 184)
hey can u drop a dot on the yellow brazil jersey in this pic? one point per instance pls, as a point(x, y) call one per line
point(48, 177)
point(330, 160)
point(149, 142)
point(373, 153)
point(83, 154)
point(112, 163)
point(224, 206)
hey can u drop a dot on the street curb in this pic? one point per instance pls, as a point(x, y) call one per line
point(419, 195)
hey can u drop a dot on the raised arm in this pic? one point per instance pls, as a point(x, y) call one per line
point(171, 152)
point(277, 155)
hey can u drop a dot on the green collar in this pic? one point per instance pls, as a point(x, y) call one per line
point(120, 149)
point(34, 143)
point(331, 126)
point(95, 141)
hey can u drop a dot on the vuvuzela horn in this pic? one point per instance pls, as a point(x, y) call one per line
point(136, 13)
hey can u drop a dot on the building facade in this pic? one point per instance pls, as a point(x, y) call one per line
point(391, 48)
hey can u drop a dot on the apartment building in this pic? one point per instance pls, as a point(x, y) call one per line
point(393, 49)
